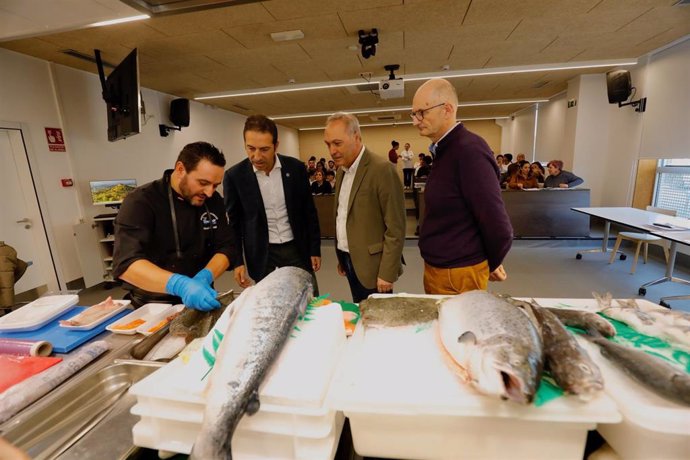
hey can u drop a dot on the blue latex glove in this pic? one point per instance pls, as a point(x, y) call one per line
point(194, 293)
point(205, 276)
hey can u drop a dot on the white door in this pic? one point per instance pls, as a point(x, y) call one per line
point(21, 224)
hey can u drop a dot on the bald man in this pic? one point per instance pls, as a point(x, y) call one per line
point(466, 231)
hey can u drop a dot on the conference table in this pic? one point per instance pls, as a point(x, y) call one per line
point(676, 230)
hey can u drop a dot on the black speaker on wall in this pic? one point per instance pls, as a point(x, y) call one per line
point(618, 85)
point(179, 112)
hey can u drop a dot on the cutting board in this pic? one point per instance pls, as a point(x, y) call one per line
point(64, 340)
point(18, 368)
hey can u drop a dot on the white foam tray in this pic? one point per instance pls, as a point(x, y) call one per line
point(122, 304)
point(38, 313)
point(151, 314)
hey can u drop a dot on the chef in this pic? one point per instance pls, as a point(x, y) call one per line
point(172, 236)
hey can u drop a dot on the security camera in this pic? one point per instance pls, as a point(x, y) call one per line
point(368, 40)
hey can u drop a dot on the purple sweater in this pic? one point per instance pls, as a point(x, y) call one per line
point(465, 221)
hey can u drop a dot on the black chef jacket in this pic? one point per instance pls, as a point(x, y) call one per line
point(144, 230)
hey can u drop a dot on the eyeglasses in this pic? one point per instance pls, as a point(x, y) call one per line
point(419, 114)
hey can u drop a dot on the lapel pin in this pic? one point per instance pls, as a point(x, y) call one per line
point(287, 174)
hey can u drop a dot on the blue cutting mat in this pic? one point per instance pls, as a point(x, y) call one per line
point(64, 340)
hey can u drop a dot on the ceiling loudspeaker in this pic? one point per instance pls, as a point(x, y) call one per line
point(179, 112)
point(619, 88)
point(179, 116)
point(618, 85)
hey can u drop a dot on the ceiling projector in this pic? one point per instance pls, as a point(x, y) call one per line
point(391, 89)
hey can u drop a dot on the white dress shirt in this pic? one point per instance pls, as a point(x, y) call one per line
point(343, 200)
point(407, 157)
point(273, 195)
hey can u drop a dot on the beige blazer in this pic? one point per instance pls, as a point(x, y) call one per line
point(375, 220)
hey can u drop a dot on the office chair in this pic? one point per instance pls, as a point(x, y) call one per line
point(642, 239)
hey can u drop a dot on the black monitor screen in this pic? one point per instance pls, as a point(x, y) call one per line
point(123, 99)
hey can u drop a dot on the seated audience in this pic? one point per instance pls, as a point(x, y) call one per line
point(511, 170)
point(320, 168)
point(331, 166)
point(502, 166)
point(538, 172)
point(520, 157)
point(418, 163)
point(559, 178)
point(424, 167)
point(523, 178)
point(320, 186)
point(330, 178)
point(508, 159)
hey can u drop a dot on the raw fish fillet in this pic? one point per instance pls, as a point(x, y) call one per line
point(92, 314)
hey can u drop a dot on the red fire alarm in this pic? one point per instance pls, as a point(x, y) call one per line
point(67, 182)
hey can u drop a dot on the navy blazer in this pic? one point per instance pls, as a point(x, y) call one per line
point(247, 214)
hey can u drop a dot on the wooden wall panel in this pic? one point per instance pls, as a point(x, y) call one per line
point(644, 183)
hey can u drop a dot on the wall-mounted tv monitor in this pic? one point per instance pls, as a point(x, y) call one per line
point(122, 97)
point(111, 192)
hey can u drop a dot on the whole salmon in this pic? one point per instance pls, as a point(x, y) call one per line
point(495, 345)
point(654, 373)
point(569, 363)
point(255, 336)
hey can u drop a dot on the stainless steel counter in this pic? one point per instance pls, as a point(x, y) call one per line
point(87, 416)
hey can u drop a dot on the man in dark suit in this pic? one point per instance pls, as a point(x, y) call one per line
point(369, 211)
point(271, 208)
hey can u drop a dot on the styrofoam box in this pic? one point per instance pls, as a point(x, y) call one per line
point(299, 376)
point(178, 436)
point(286, 420)
point(403, 401)
point(652, 426)
point(292, 395)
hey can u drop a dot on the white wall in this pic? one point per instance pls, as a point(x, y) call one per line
point(518, 133)
point(620, 161)
point(551, 129)
point(666, 126)
point(26, 96)
point(592, 135)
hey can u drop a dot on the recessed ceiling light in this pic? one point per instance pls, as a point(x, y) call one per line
point(353, 48)
point(119, 21)
point(287, 35)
